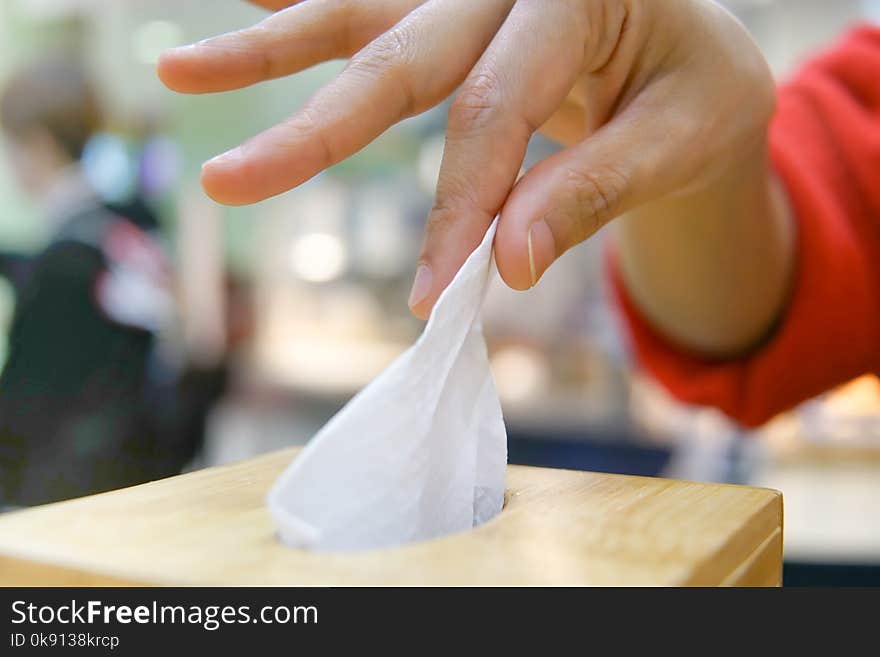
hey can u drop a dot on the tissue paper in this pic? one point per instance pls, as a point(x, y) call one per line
point(420, 452)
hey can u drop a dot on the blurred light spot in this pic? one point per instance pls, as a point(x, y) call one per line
point(150, 39)
point(109, 168)
point(520, 373)
point(318, 257)
point(161, 166)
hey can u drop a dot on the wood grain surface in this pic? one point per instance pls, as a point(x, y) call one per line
point(558, 527)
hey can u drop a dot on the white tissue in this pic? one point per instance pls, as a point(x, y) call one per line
point(420, 452)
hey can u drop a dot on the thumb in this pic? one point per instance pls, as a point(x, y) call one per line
point(566, 198)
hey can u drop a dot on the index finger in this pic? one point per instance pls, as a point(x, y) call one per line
point(395, 76)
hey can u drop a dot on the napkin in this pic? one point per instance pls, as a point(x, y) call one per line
point(419, 452)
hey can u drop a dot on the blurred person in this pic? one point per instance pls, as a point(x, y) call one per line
point(82, 394)
point(747, 259)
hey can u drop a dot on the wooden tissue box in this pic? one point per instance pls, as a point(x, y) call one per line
point(558, 527)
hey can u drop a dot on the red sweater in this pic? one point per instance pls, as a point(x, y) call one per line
point(825, 145)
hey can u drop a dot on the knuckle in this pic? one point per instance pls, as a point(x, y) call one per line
point(343, 13)
point(400, 41)
point(389, 58)
point(595, 195)
point(306, 122)
point(442, 216)
point(455, 197)
point(267, 67)
point(342, 8)
point(604, 24)
point(387, 53)
point(340, 11)
point(254, 42)
point(477, 104)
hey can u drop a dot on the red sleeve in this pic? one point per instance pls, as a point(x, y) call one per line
point(825, 145)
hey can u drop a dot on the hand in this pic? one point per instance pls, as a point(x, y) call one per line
point(653, 99)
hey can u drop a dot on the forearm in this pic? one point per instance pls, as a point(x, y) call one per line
point(710, 270)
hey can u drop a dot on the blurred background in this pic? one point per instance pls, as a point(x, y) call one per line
point(286, 308)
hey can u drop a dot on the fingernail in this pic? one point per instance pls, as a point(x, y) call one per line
point(184, 49)
point(232, 156)
point(421, 285)
point(542, 250)
point(534, 276)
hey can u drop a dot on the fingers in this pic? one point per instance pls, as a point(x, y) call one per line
point(397, 75)
point(521, 79)
point(568, 197)
point(284, 43)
